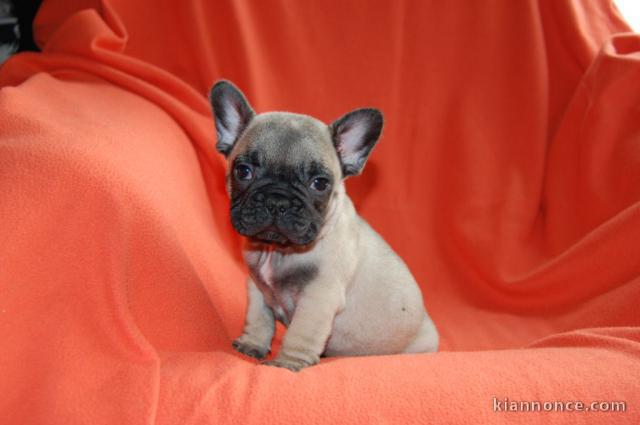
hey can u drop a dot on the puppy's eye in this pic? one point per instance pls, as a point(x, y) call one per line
point(243, 172)
point(320, 184)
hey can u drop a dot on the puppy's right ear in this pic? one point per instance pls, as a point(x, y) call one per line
point(232, 113)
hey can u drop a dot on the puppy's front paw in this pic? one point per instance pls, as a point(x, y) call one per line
point(291, 363)
point(249, 349)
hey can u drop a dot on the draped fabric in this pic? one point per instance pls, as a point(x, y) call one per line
point(507, 177)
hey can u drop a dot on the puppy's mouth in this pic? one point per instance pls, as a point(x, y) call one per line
point(271, 235)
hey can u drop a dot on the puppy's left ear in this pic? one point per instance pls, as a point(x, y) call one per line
point(354, 136)
point(232, 113)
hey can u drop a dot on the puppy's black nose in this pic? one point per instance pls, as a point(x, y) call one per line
point(277, 204)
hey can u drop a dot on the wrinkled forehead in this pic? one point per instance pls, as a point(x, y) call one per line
point(286, 139)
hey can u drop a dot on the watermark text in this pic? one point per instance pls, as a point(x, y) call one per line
point(505, 404)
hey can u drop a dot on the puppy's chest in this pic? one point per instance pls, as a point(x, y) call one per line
point(281, 280)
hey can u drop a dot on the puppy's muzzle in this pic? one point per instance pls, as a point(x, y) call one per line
point(277, 204)
point(273, 215)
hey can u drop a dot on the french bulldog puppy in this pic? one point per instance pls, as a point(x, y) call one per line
point(315, 265)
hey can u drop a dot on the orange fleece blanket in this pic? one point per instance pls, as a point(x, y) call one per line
point(508, 178)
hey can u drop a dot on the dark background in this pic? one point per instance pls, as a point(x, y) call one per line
point(22, 37)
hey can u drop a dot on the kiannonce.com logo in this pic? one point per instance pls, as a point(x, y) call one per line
point(505, 404)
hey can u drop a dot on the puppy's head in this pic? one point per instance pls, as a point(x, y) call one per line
point(285, 170)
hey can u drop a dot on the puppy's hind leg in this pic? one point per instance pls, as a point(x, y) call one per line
point(426, 340)
point(259, 326)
